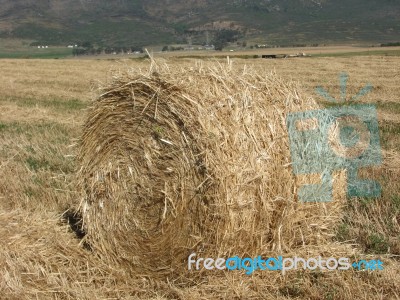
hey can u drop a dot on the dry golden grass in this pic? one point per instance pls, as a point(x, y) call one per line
point(42, 109)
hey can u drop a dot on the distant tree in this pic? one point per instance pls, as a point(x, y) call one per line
point(219, 45)
point(223, 37)
point(136, 48)
point(165, 48)
point(78, 51)
point(227, 35)
point(87, 45)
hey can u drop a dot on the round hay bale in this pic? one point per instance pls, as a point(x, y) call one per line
point(194, 158)
point(143, 172)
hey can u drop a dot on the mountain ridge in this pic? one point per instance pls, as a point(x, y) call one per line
point(156, 22)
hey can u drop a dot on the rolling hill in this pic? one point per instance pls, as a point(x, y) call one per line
point(157, 22)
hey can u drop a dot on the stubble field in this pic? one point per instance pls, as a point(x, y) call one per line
point(42, 110)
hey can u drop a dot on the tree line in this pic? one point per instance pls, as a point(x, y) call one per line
point(88, 48)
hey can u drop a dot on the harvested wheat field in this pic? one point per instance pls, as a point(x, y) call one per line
point(115, 172)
